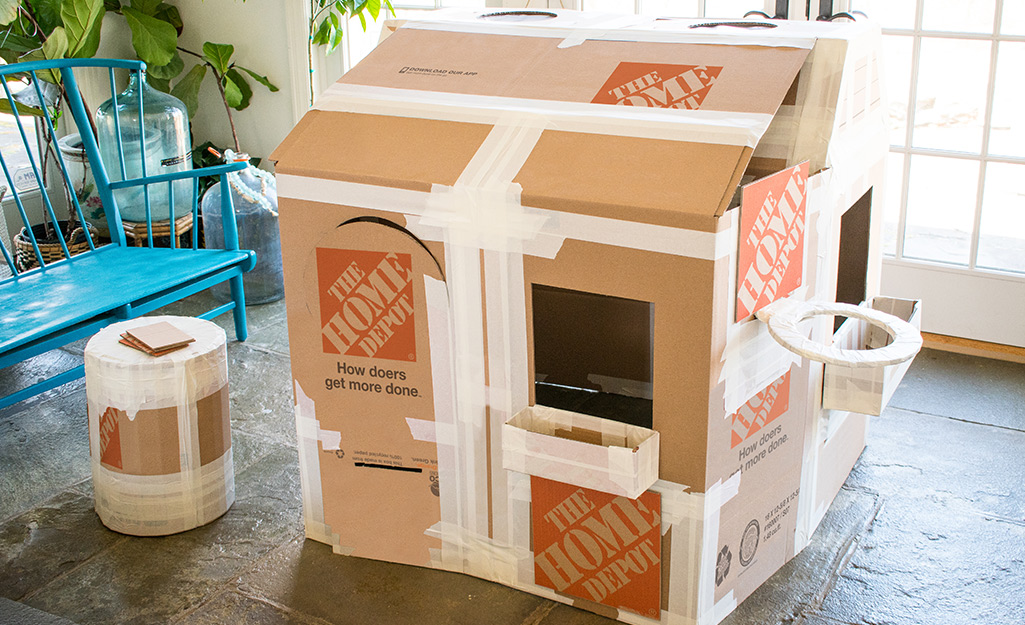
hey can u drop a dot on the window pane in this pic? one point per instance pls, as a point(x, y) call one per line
point(670, 8)
point(608, 6)
point(941, 208)
point(896, 66)
point(891, 201)
point(963, 16)
point(1002, 230)
point(14, 152)
point(1013, 18)
point(1007, 129)
point(951, 102)
point(732, 8)
point(888, 13)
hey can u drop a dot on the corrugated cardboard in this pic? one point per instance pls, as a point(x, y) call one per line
point(559, 201)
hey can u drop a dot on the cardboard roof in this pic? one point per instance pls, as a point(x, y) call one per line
point(435, 80)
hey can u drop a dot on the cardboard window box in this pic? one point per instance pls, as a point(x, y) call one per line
point(867, 390)
point(579, 449)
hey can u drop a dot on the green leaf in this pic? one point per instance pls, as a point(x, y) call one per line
point(112, 5)
point(362, 20)
point(8, 11)
point(232, 93)
point(170, 14)
point(160, 84)
point(322, 35)
point(56, 45)
point(5, 107)
point(263, 80)
point(374, 7)
point(243, 86)
point(154, 40)
point(391, 9)
point(46, 75)
point(167, 72)
point(149, 7)
point(218, 55)
point(48, 14)
point(82, 20)
point(11, 40)
point(187, 89)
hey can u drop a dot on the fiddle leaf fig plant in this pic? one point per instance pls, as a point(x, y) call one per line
point(56, 29)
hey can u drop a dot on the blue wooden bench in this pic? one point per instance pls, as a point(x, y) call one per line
point(59, 302)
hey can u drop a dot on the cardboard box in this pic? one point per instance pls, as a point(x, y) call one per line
point(486, 222)
point(867, 390)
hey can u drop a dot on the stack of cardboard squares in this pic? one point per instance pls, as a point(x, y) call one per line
point(156, 339)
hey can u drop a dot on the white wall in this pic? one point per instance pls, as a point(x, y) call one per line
point(259, 30)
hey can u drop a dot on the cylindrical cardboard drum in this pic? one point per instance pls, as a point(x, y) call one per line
point(159, 434)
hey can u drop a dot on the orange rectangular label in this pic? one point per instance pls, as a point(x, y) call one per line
point(760, 410)
point(597, 546)
point(772, 223)
point(658, 85)
point(366, 304)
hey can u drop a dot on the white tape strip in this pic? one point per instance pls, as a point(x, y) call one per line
point(307, 436)
point(695, 126)
point(751, 361)
point(677, 31)
point(555, 228)
point(422, 430)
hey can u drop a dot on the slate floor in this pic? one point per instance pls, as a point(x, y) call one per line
point(929, 528)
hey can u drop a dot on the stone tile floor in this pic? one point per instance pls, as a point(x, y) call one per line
point(928, 529)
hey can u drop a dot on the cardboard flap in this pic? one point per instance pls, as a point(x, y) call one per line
point(605, 169)
point(709, 77)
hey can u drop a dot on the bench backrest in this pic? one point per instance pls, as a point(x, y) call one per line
point(154, 190)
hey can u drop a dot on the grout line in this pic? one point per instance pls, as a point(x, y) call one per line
point(968, 421)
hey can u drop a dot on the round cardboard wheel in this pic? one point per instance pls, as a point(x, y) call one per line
point(783, 326)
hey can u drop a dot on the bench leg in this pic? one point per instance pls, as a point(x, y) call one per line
point(239, 312)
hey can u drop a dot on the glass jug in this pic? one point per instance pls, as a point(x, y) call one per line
point(165, 126)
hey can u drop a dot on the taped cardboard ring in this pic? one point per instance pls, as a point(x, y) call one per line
point(783, 326)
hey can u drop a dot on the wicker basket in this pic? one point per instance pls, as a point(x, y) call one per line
point(25, 257)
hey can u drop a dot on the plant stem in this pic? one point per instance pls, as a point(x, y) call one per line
point(220, 88)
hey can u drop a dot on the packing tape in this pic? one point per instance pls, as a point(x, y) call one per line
point(154, 505)
point(131, 380)
point(751, 360)
point(635, 30)
point(693, 126)
point(784, 316)
point(508, 376)
point(555, 226)
point(307, 438)
point(482, 556)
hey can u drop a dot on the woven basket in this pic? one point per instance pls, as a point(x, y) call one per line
point(25, 257)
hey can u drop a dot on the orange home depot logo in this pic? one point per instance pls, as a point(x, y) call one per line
point(658, 85)
point(110, 439)
point(366, 303)
point(771, 256)
point(598, 546)
point(761, 410)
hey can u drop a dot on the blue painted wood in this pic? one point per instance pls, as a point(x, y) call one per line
point(65, 300)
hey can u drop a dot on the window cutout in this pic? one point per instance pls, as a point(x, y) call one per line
point(593, 354)
point(852, 272)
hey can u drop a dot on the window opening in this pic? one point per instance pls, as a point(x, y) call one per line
point(593, 354)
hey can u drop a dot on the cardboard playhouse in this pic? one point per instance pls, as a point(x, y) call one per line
point(538, 275)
